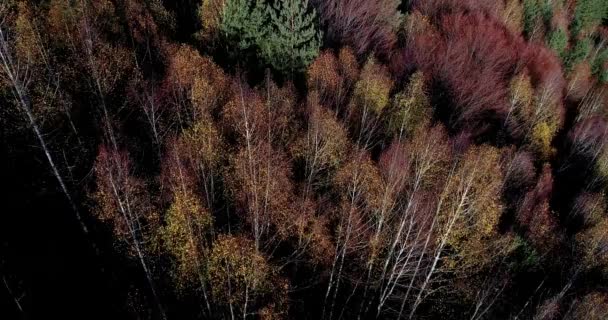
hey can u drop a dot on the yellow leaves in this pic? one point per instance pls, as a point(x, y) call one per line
point(522, 96)
point(184, 235)
point(111, 64)
point(373, 88)
point(359, 181)
point(541, 139)
point(417, 24)
point(473, 200)
point(202, 96)
point(28, 42)
point(602, 164)
point(593, 306)
point(236, 269)
point(325, 144)
point(61, 19)
point(186, 64)
point(430, 156)
point(411, 108)
point(210, 15)
point(183, 66)
point(486, 188)
point(593, 243)
point(512, 16)
point(202, 143)
point(533, 110)
point(198, 77)
point(186, 208)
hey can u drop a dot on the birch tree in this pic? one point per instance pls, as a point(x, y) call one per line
point(17, 74)
point(122, 201)
point(241, 277)
point(370, 98)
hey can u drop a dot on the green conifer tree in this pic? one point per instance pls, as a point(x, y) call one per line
point(293, 39)
point(242, 26)
point(532, 14)
point(558, 41)
point(588, 14)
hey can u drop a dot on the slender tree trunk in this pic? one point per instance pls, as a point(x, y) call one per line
point(19, 92)
point(15, 298)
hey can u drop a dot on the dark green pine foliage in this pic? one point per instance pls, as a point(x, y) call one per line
point(532, 14)
point(599, 65)
point(243, 26)
point(580, 52)
point(558, 41)
point(588, 14)
point(293, 39)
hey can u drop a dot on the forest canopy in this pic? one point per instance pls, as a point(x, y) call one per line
point(296, 159)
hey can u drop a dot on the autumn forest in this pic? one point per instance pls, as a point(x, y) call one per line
point(304, 159)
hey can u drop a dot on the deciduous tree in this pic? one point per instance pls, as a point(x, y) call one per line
point(122, 200)
point(241, 277)
point(371, 95)
point(366, 26)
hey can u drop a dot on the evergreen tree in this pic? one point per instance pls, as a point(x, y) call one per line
point(579, 52)
point(558, 41)
point(532, 13)
point(293, 39)
point(588, 14)
point(599, 65)
point(242, 26)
